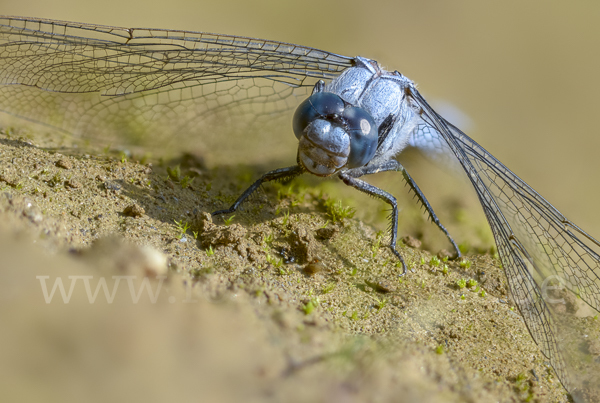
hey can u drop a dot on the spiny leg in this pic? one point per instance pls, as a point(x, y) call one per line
point(367, 188)
point(394, 165)
point(429, 209)
point(277, 174)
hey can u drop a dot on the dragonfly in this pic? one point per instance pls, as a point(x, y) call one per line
point(350, 116)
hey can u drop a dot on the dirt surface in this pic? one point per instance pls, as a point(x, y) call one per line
point(291, 300)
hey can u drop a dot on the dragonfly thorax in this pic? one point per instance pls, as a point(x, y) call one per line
point(333, 134)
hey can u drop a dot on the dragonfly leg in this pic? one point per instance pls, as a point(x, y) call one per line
point(277, 174)
point(394, 165)
point(430, 211)
point(351, 180)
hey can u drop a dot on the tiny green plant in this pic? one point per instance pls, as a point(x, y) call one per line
point(465, 263)
point(435, 261)
point(174, 173)
point(328, 288)
point(337, 212)
point(55, 180)
point(186, 181)
point(439, 349)
point(312, 303)
point(309, 307)
point(228, 220)
point(471, 283)
point(210, 251)
point(284, 272)
point(268, 239)
point(182, 227)
point(521, 377)
point(445, 269)
point(461, 283)
point(381, 303)
point(277, 262)
point(195, 233)
point(286, 217)
point(377, 243)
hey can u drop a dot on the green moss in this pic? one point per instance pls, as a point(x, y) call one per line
point(465, 263)
point(434, 261)
point(337, 212)
point(174, 173)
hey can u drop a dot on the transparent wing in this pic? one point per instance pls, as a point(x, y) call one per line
point(139, 85)
point(551, 264)
point(428, 141)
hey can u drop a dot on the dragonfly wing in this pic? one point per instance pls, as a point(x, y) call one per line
point(552, 265)
point(138, 85)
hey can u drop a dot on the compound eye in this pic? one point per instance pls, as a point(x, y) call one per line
point(319, 105)
point(363, 136)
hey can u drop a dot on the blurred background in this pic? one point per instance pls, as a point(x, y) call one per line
point(522, 77)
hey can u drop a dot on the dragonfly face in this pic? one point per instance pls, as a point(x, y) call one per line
point(333, 135)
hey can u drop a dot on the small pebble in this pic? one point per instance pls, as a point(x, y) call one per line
point(411, 242)
point(382, 286)
point(134, 210)
point(64, 163)
point(314, 267)
point(72, 184)
point(326, 233)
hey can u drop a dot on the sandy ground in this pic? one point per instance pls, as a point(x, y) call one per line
point(292, 300)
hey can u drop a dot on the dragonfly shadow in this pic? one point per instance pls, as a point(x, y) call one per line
point(178, 193)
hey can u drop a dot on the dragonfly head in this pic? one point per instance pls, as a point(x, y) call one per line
point(333, 134)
